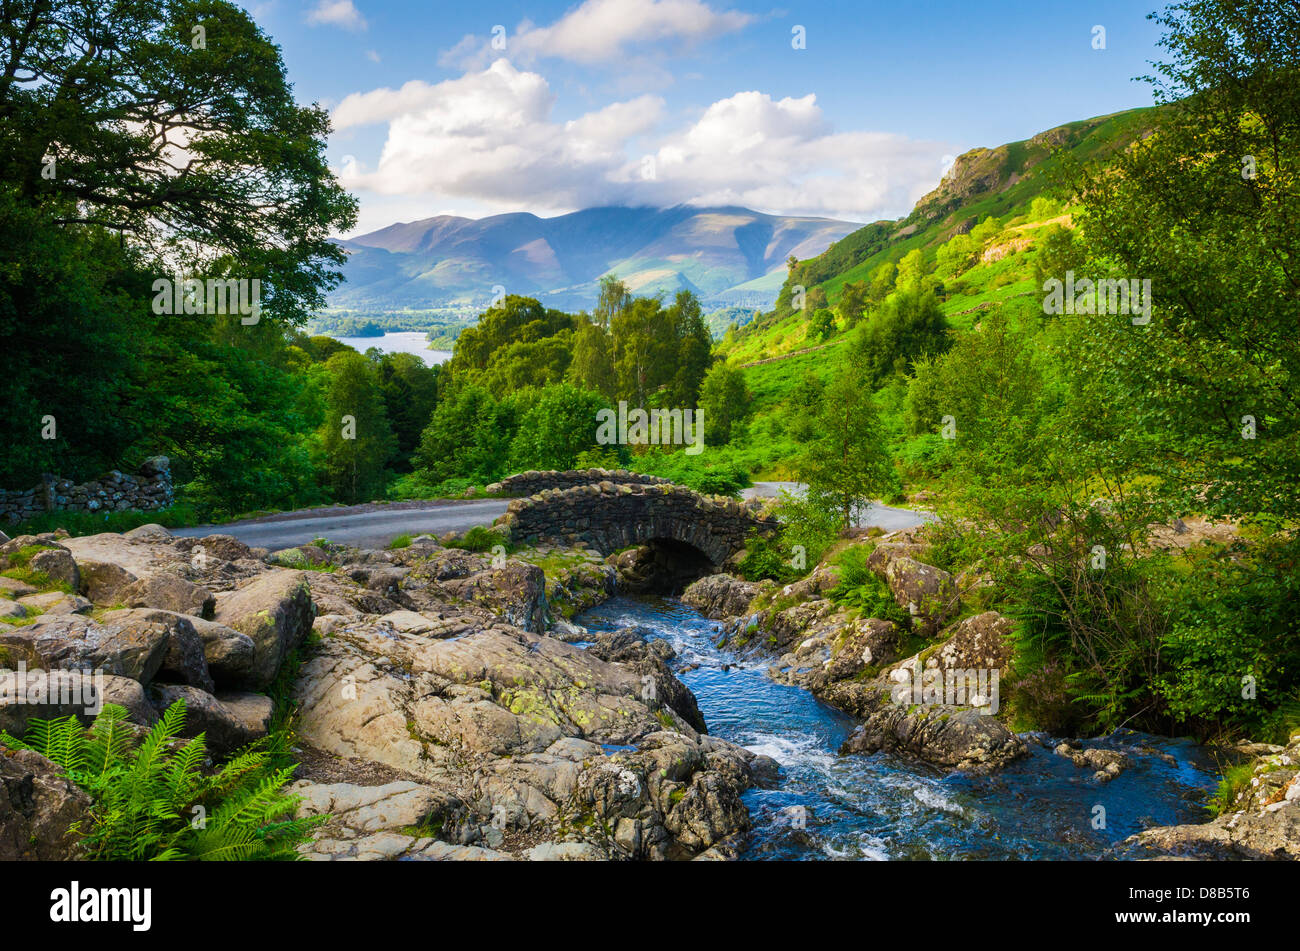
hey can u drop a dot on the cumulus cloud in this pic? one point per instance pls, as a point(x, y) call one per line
point(337, 13)
point(602, 31)
point(490, 137)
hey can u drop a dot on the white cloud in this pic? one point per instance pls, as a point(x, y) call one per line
point(602, 31)
point(488, 139)
point(373, 56)
point(337, 13)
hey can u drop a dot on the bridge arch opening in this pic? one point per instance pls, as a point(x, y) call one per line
point(662, 566)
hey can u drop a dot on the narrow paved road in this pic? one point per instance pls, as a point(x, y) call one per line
point(879, 515)
point(363, 526)
point(369, 526)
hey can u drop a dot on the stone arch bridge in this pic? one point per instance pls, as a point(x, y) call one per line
point(610, 516)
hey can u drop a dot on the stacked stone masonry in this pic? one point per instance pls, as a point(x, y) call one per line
point(609, 516)
point(147, 490)
point(532, 482)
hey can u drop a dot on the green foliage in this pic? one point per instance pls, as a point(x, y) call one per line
point(479, 539)
point(765, 558)
point(821, 325)
point(724, 402)
point(716, 477)
point(1234, 618)
point(847, 464)
point(558, 426)
point(152, 801)
point(860, 587)
point(1205, 209)
point(810, 521)
point(468, 438)
point(909, 326)
point(410, 394)
point(356, 440)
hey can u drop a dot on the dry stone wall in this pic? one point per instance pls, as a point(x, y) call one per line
point(145, 491)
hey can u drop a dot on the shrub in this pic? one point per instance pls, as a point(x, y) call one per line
point(766, 559)
point(479, 539)
point(152, 802)
point(860, 587)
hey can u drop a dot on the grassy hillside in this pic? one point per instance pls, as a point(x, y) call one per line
point(1012, 185)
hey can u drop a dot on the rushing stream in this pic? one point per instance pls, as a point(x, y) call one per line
point(883, 807)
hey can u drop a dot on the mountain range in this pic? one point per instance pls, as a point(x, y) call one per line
point(727, 256)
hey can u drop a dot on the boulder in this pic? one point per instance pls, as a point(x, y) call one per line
point(630, 648)
point(152, 532)
point(47, 694)
point(720, 596)
point(227, 724)
point(965, 740)
point(38, 808)
point(981, 642)
point(185, 659)
point(13, 588)
point(275, 610)
point(170, 593)
point(130, 647)
point(230, 654)
point(224, 547)
point(927, 593)
point(55, 602)
point(59, 566)
point(104, 582)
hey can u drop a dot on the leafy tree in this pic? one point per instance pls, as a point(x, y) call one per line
point(592, 366)
point(558, 426)
point(109, 91)
point(822, 325)
point(1205, 209)
point(854, 299)
point(725, 401)
point(410, 391)
point(468, 437)
point(694, 351)
point(882, 281)
point(908, 326)
point(356, 439)
point(612, 301)
point(847, 465)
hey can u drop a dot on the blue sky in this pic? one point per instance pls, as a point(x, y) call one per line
point(706, 101)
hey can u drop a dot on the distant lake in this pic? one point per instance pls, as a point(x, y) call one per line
point(403, 342)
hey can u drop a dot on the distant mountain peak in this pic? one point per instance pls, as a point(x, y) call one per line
point(727, 254)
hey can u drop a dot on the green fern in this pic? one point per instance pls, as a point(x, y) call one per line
point(152, 801)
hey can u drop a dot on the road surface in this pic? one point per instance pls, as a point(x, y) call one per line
point(371, 526)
